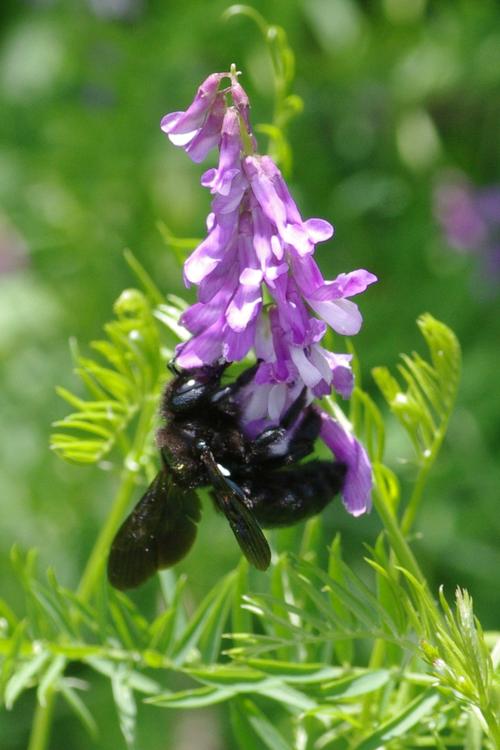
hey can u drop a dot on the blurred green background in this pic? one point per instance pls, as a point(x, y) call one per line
point(397, 93)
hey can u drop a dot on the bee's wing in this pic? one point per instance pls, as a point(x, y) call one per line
point(231, 500)
point(158, 533)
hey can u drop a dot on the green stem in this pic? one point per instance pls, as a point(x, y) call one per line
point(95, 564)
point(93, 570)
point(415, 499)
point(401, 549)
point(397, 539)
point(417, 494)
point(40, 733)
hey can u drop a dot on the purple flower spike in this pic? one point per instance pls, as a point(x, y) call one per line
point(345, 447)
point(259, 287)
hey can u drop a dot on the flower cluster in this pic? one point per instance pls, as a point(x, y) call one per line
point(259, 287)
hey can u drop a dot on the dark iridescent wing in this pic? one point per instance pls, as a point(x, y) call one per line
point(157, 534)
point(231, 501)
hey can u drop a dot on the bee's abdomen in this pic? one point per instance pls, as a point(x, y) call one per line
point(282, 498)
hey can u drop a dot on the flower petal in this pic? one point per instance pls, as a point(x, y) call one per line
point(192, 119)
point(243, 308)
point(264, 191)
point(308, 372)
point(341, 315)
point(342, 375)
point(236, 345)
point(203, 349)
point(345, 285)
point(318, 230)
point(358, 481)
point(276, 401)
point(210, 252)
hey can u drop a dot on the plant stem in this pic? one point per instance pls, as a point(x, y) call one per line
point(93, 570)
point(42, 722)
point(416, 496)
point(96, 561)
point(396, 537)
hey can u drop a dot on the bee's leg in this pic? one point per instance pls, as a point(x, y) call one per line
point(294, 410)
point(275, 441)
point(304, 437)
point(222, 398)
point(174, 369)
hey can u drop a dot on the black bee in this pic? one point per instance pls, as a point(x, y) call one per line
point(253, 482)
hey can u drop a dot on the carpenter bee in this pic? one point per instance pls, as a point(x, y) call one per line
point(255, 483)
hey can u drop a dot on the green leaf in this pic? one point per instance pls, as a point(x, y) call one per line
point(303, 673)
point(142, 275)
point(210, 614)
point(358, 684)
point(196, 698)
point(344, 649)
point(209, 642)
point(278, 612)
point(287, 696)
point(24, 677)
point(237, 677)
point(12, 653)
point(167, 627)
point(125, 703)
point(51, 678)
point(474, 734)
point(79, 709)
point(119, 387)
point(389, 594)
point(241, 680)
point(400, 724)
point(312, 539)
point(253, 730)
point(8, 615)
point(424, 403)
point(240, 617)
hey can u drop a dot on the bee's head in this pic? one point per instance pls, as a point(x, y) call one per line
point(191, 388)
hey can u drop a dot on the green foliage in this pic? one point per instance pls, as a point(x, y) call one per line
point(126, 380)
point(335, 655)
point(424, 405)
point(110, 636)
point(381, 662)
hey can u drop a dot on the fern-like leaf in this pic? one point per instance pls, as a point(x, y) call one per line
point(122, 383)
point(424, 401)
